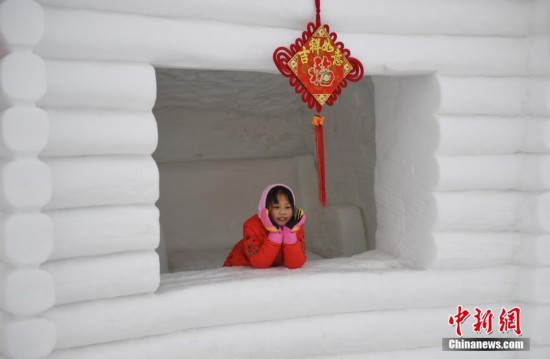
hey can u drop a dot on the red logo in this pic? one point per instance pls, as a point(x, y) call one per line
point(509, 320)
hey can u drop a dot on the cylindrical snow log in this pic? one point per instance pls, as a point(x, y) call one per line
point(341, 333)
point(533, 285)
point(469, 135)
point(22, 79)
point(166, 345)
point(75, 35)
point(534, 250)
point(476, 95)
point(16, 134)
point(538, 100)
point(473, 135)
point(485, 249)
point(100, 181)
point(343, 336)
point(21, 23)
point(492, 211)
point(475, 249)
point(24, 184)
point(453, 17)
point(108, 276)
point(192, 302)
point(494, 172)
point(462, 56)
point(89, 133)
point(537, 135)
point(25, 239)
point(104, 230)
point(535, 320)
point(25, 291)
point(26, 337)
point(100, 85)
point(534, 212)
point(539, 51)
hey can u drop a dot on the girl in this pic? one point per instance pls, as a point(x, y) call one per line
point(273, 237)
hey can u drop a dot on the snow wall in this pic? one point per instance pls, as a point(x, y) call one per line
point(461, 180)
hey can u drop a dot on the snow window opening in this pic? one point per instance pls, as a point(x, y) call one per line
point(225, 135)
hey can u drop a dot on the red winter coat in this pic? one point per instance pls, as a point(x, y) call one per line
point(255, 250)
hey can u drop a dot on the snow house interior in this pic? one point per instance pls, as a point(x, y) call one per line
point(225, 135)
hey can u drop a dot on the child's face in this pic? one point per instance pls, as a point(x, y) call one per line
point(280, 213)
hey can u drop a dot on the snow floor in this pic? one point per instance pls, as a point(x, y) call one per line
point(370, 260)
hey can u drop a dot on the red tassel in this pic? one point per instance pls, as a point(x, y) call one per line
point(318, 122)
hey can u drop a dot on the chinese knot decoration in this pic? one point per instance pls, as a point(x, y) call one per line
point(318, 67)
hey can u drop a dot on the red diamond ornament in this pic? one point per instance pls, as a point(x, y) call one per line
point(317, 66)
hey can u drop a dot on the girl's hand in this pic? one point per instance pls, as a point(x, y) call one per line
point(289, 237)
point(266, 221)
point(297, 221)
point(293, 226)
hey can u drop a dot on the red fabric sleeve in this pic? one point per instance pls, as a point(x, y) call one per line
point(295, 254)
point(260, 251)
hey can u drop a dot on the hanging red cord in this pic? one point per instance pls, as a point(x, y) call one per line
point(319, 121)
point(317, 13)
point(318, 67)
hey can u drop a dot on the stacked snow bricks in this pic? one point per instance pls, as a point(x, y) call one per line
point(462, 181)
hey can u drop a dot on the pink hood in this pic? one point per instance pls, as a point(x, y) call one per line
point(261, 204)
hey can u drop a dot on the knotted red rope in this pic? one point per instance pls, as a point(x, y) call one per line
point(318, 13)
point(318, 121)
point(319, 68)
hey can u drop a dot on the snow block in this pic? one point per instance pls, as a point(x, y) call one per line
point(492, 211)
point(310, 337)
point(92, 133)
point(476, 95)
point(533, 213)
point(26, 238)
point(100, 181)
point(108, 276)
point(494, 172)
point(26, 291)
point(537, 137)
point(534, 285)
point(539, 315)
point(347, 230)
point(100, 85)
point(539, 52)
point(406, 171)
point(475, 135)
point(25, 184)
point(538, 99)
point(462, 56)
point(27, 338)
point(21, 23)
point(475, 249)
point(22, 79)
point(24, 130)
point(451, 17)
point(486, 249)
point(534, 250)
point(217, 297)
point(104, 230)
point(73, 34)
